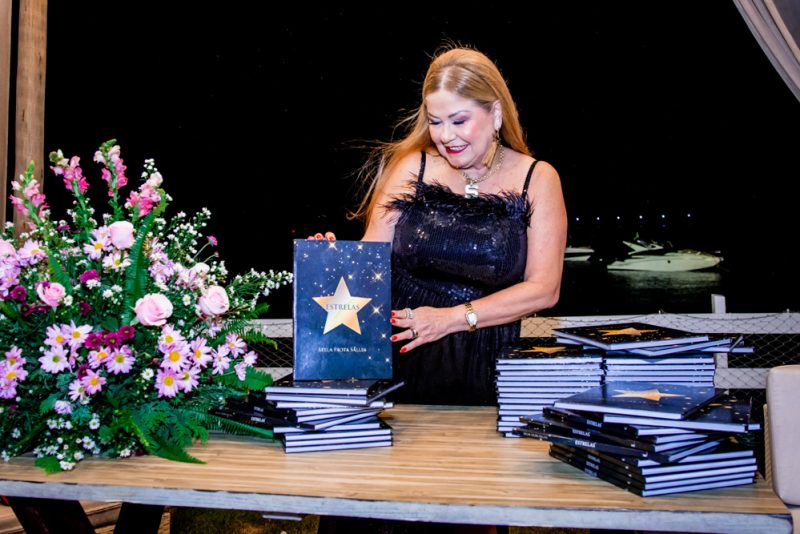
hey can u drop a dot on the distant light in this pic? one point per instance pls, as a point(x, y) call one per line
point(598, 218)
point(618, 217)
point(689, 215)
point(577, 218)
point(663, 216)
point(641, 217)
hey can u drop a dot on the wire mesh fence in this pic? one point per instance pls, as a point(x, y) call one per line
point(775, 339)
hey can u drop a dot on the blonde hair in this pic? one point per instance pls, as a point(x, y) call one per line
point(465, 72)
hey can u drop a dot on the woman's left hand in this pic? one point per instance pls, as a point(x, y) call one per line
point(419, 326)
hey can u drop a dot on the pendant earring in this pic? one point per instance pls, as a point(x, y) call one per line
point(489, 157)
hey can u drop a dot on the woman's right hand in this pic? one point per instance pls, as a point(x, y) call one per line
point(328, 235)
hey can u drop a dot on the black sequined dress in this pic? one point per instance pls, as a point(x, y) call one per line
point(448, 250)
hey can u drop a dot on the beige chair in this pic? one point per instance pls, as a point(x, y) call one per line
point(782, 435)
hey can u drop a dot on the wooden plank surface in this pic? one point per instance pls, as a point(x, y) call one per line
point(447, 464)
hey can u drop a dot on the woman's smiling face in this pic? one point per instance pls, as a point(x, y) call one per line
point(461, 129)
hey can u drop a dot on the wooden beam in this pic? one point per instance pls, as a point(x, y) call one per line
point(5, 87)
point(31, 63)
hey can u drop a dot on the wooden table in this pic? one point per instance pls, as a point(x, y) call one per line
point(447, 464)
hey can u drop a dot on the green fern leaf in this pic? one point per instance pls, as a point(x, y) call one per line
point(136, 273)
point(50, 464)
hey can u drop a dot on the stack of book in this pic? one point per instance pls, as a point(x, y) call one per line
point(639, 352)
point(685, 369)
point(321, 415)
point(651, 439)
point(536, 372)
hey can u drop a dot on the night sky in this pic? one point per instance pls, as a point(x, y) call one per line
point(668, 111)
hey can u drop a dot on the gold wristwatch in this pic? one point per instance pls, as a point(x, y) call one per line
point(471, 316)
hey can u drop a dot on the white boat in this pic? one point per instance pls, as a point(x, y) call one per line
point(578, 253)
point(650, 256)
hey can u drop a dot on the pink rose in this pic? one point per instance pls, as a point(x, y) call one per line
point(51, 293)
point(7, 250)
point(121, 233)
point(214, 301)
point(153, 309)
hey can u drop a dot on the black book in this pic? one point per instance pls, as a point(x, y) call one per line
point(318, 447)
point(260, 420)
point(642, 399)
point(689, 487)
point(383, 430)
point(718, 344)
point(353, 400)
point(554, 354)
point(343, 387)
point(371, 423)
point(607, 433)
point(302, 406)
point(626, 358)
point(341, 307)
point(587, 443)
point(623, 434)
point(726, 449)
point(727, 414)
point(637, 484)
point(683, 469)
point(628, 335)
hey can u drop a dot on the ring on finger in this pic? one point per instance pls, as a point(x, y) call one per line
point(409, 313)
point(414, 334)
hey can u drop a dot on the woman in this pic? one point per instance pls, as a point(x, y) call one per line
point(478, 230)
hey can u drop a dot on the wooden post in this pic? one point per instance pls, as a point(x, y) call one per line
point(31, 63)
point(5, 86)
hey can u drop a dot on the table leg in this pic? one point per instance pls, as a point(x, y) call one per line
point(138, 518)
point(46, 516)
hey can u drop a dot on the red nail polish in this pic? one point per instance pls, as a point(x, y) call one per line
point(394, 321)
point(403, 349)
point(394, 338)
point(393, 314)
point(331, 238)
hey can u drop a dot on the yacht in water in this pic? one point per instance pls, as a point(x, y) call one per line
point(641, 255)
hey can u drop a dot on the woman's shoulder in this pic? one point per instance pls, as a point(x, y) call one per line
point(408, 167)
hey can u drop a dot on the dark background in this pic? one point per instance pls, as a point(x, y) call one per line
point(662, 117)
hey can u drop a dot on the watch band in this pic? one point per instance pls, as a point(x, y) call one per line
point(471, 317)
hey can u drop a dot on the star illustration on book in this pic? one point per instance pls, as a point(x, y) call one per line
point(342, 308)
point(626, 332)
point(649, 394)
point(546, 350)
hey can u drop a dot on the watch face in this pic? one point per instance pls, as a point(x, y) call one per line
point(472, 318)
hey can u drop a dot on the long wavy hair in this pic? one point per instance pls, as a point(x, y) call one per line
point(460, 70)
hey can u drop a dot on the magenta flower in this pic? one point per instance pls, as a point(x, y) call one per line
point(112, 339)
point(91, 274)
point(93, 341)
point(126, 332)
point(19, 293)
point(212, 240)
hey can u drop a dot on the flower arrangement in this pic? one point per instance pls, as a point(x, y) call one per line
point(119, 336)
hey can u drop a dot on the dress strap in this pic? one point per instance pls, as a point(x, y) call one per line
point(527, 179)
point(421, 166)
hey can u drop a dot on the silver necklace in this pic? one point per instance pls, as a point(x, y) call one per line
point(471, 185)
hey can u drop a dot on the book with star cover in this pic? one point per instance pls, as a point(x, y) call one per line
point(342, 310)
point(628, 336)
point(643, 399)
